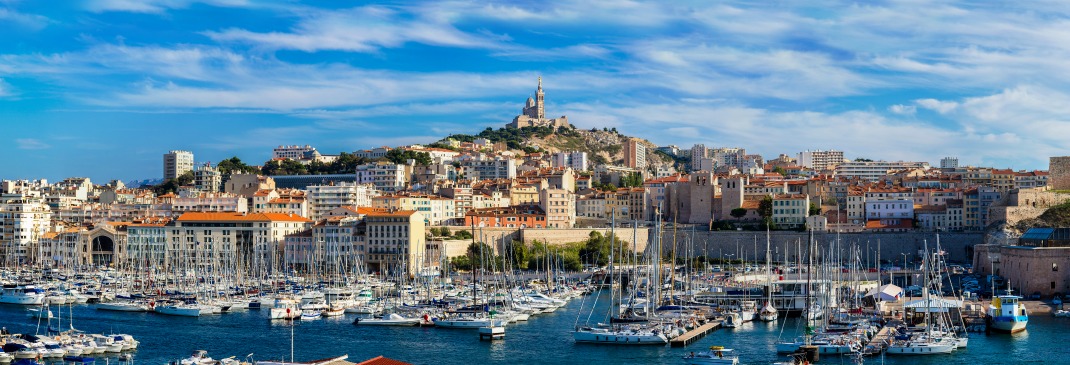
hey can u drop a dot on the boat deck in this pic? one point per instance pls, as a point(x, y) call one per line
point(691, 336)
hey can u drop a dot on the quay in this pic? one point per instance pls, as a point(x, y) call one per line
point(694, 335)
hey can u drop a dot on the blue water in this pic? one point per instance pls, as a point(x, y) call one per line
point(544, 339)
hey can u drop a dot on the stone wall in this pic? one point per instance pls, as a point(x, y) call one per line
point(1023, 204)
point(959, 246)
point(1059, 173)
point(562, 236)
point(552, 236)
point(1035, 269)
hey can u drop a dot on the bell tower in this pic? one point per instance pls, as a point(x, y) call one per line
point(539, 106)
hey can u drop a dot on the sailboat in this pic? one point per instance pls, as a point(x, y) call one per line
point(927, 342)
point(618, 334)
point(768, 312)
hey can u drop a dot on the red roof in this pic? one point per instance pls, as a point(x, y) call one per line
point(878, 224)
point(236, 216)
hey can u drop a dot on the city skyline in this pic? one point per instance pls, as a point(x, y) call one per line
point(104, 88)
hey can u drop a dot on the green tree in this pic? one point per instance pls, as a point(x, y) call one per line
point(518, 253)
point(185, 179)
point(765, 207)
point(461, 263)
point(632, 180)
point(739, 212)
point(814, 209)
point(234, 165)
point(463, 235)
point(780, 170)
point(401, 156)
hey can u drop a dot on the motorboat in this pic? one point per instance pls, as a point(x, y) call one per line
point(22, 294)
point(731, 320)
point(621, 335)
point(716, 355)
point(1007, 314)
point(392, 319)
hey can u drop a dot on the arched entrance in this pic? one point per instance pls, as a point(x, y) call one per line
point(103, 250)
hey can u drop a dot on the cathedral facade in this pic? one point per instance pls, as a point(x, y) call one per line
point(534, 114)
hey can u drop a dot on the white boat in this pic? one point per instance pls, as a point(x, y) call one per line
point(182, 310)
point(731, 320)
point(6, 358)
point(26, 353)
point(768, 313)
point(199, 357)
point(125, 306)
point(310, 314)
point(716, 355)
point(1007, 314)
point(334, 312)
point(52, 350)
point(22, 294)
point(470, 322)
point(921, 347)
point(285, 313)
point(391, 319)
point(619, 336)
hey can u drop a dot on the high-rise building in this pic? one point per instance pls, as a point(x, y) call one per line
point(176, 163)
point(820, 160)
point(949, 163)
point(634, 154)
point(699, 153)
point(207, 178)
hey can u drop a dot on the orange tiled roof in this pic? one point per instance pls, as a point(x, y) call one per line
point(877, 224)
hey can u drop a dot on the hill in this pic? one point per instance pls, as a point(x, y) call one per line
point(602, 145)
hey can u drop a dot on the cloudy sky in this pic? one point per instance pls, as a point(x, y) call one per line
point(102, 88)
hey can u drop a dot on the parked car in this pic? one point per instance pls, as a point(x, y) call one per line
point(1034, 296)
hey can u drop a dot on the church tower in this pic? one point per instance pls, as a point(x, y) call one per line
point(539, 106)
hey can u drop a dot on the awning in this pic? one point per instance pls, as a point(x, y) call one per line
point(933, 305)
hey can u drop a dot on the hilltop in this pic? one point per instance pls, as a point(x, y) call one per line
point(602, 145)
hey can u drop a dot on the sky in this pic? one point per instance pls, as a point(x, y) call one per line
point(103, 88)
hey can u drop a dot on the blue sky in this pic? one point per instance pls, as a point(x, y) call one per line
point(102, 88)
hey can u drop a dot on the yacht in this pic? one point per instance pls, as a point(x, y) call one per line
point(391, 319)
point(22, 294)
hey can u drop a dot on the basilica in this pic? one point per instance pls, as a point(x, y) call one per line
point(534, 114)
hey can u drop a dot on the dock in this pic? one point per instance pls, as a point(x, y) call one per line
point(880, 342)
point(694, 335)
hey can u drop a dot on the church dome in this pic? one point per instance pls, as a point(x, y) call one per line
point(531, 102)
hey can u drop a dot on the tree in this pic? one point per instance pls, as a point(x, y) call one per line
point(862, 159)
point(518, 255)
point(480, 253)
point(185, 179)
point(461, 263)
point(632, 179)
point(765, 207)
point(401, 156)
point(463, 235)
point(739, 212)
point(234, 165)
point(780, 170)
point(814, 209)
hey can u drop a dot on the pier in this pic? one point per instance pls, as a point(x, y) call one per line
point(694, 335)
point(880, 342)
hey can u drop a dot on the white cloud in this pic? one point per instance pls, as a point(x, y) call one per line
point(29, 21)
point(154, 6)
point(5, 89)
point(903, 109)
point(363, 29)
point(942, 107)
point(30, 144)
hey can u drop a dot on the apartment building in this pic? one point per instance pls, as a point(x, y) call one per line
point(176, 163)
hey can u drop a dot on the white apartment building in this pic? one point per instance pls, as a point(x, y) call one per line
point(820, 160)
point(435, 210)
point(790, 210)
point(395, 241)
point(285, 201)
point(146, 244)
point(334, 245)
point(386, 177)
point(324, 198)
point(176, 163)
point(874, 170)
point(486, 169)
point(294, 152)
point(574, 160)
point(208, 239)
point(210, 202)
point(23, 221)
point(560, 207)
point(207, 178)
point(699, 152)
point(949, 163)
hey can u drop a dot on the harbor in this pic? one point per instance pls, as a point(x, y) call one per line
point(541, 340)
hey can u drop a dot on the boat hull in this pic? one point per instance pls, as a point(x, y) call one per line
point(616, 338)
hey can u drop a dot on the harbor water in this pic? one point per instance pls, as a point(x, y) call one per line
point(544, 339)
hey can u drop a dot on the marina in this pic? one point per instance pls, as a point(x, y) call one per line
point(542, 340)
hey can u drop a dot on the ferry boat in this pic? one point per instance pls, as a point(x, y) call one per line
point(1007, 314)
